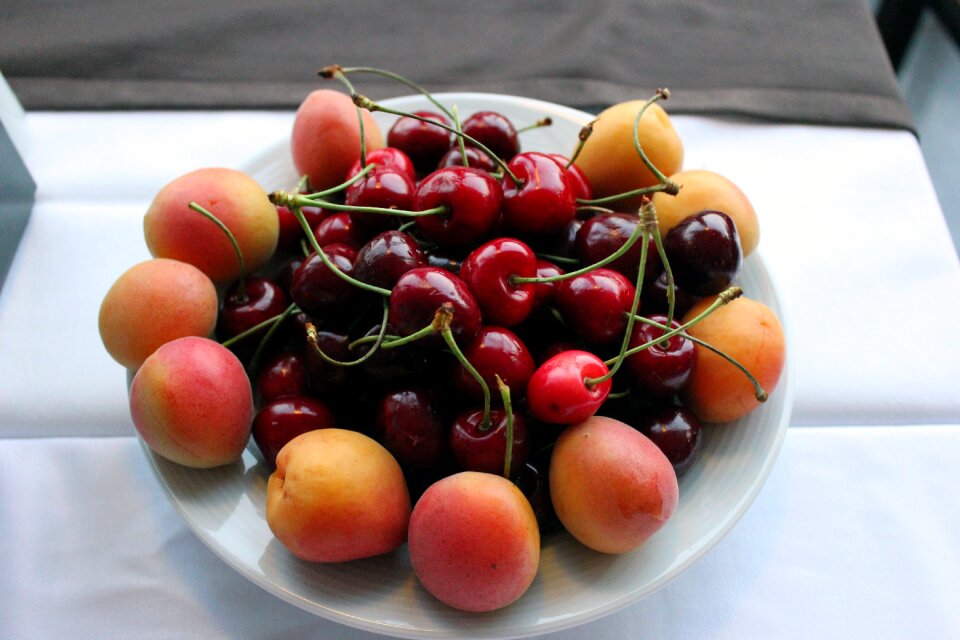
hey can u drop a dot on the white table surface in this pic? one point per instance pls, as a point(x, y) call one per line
point(856, 533)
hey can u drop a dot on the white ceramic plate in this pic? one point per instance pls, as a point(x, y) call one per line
point(225, 506)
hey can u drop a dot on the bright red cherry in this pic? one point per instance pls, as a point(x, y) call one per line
point(386, 188)
point(488, 271)
point(282, 420)
point(316, 288)
point(582, 188)
point(595, 304)
point(704, 252)
point(424, 143)
point(663, 369)
point(291, 231)
point(258, 301)
point(284, 375)
point(472, 199)
point(544, 202)
point(387, 157)
point(411, 428)
point(338, 228)
point(386, 257)
point(479, 449)
point(496, 351)
point(495, 131)
point(475, 158)
point(420, 292)
point(558, 392)
point(604, 234)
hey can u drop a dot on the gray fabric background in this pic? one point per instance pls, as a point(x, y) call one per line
point(819, 61)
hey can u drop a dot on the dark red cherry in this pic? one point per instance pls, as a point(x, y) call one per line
point(663, 369)
point(386, 257)
point(495, 131)
point(291, 231)
point(603, 234)
point(284, 375)
point(582, 188)
point(386, 157)
point(282, 420)
point(410, 427)
point(704, 252)
point(558, 392)
point(316, 288)
point(654, 298)
point(484, 449)
point(543, 292)
point(676, 431)
point(386, 188)
point(325, 378)
point(595, 304)
point(259, 300)
point(496, 351)
point(424, 143)
point(533, 481)
point(420, 292)
point(488, 271)
point(472, 199)
point(475, 158)
point(338, 228)
point(544, 202)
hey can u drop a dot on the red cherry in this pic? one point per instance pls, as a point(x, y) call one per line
point(386, 157)
point(676, 431)
point(488, 270)
point(472, 198)
point(654, 298)
point(316, 288)
point(494, 131)
point(475, 158)
point(558, 393)
point(424, 143)
point(258, 301)
point(386, 257)
point(282, 420)
point(485, 450)
point(411, 428)
point(284, 375)
point(704, 252)
point(544, 203)
point(663, 369)
point(386, 188)
point(420, 292)
point(496, 351)
point(291, 232)
point(604, 234)
point(582, 188)
point(595, 304)
point(543, 292)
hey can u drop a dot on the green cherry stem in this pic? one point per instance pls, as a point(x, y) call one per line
point(330, 71)
point(367, 168)
point(233, 242)
point(370, 105)
point(758, 390)
point(661, 94)
point(585, 133)
point(546, 121)
point(616, 395)
point(260, 326)
point(558, 259)
point(666, 187)
point(508, 409)
point(378, 342)
point(279, 320)
point(339, 75)
point(455, 117)
point(441, 323)
point(668, 273)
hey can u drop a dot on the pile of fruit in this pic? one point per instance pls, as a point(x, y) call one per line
point(441, 339)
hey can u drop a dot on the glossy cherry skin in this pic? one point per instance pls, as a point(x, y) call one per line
point(595, 304)
point(543, 292)
point(386, 257)
point(283, 375)
point(316, 288)
point(424, 143)
point(472, 199)
point(534, 481)
point(704, 252)
point(654, 298)
point(493, 130)
point(557, 392)
point(604, 234)
point(544, 202)
point(338, 228)
point(387, 157)
point(496, 351)
point(326, 378)
point(386, 188)
point(411, 428)
point(582, 188)
point(282, 420)
point(663, 369)
point(260, 300)
point(475, 158)
point(479, 449)
point(284, 273)
point(291, 231)
point(488, 271)
point(676, 431)
point(420, 292)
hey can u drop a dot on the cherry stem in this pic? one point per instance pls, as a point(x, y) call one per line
point(455, 116)
point(233, 242)
point(594, 208)
point(378, 342)
point(557, 259)
point(367, 168)
point(260, 326)
point(758, 390)
point(634, 236)
point(661, 94)
point(386, 211)
point(585, 133)
point(286, 199)
point(617, 395)
point(441, 323)
point(508, 409)
point(546, 121)
point(648, 221)
point(330, 71)
point(278, 320)
point(668, 274)
point(667, 187)
point(370, 105)
point(339, 75)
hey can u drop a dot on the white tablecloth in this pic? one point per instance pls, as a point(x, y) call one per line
point(855, 535)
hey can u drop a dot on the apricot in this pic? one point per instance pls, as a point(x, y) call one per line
point(611, 486)
point(191, 402)
point(611, 162)
point(474, 542)
point(326, 137)
point(702, 190)
point(337, 495)
point(173, 230)
point(749, 332)
point(153, 303)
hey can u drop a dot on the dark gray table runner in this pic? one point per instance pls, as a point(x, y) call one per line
point(812, 61)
